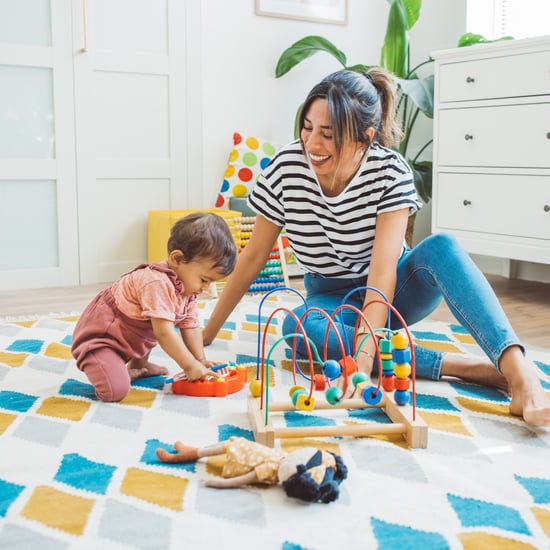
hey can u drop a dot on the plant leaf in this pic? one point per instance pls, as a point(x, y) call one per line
point(412, 11)
point(305, 48)
point(470, 38)
point(395, 50)
point(422, 173)
point(359, 68)
point(421, 92)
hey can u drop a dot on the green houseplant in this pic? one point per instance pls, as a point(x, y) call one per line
point(415, 94)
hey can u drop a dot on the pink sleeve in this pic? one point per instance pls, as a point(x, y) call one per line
point(191, 318)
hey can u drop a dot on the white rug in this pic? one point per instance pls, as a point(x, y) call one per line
point(77, 473)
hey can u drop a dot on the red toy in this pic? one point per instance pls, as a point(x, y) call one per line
point(230, 382)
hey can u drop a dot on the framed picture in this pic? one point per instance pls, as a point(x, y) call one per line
point(321, 11)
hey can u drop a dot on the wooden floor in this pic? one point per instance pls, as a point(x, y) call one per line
point(527, 305)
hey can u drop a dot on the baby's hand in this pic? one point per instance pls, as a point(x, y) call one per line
point(197, 371)
point(219, 368)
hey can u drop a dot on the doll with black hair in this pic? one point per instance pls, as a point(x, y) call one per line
point(307, 473)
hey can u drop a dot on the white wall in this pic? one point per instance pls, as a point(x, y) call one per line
point(231, 84)
point(239, 52)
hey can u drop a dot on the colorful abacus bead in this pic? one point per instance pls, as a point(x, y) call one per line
point(371, 395)
point(359, 377)
point(295, 392)
point(385, 346)
point(320, 382)
point(334, 395)
point(255, 388)
point(305, 402)
point(402, 397)
point(331, 369)
point(402, 370)
point(388, 382)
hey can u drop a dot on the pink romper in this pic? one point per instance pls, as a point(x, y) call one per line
point(116, 325)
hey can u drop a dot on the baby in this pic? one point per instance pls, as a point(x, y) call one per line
point(118, 329)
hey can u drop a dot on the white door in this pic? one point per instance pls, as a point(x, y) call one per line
point(38, 227)
point(130, 126)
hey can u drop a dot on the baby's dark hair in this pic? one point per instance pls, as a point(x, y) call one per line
point(204, 235)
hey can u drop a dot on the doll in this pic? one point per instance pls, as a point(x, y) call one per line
point(307, 474)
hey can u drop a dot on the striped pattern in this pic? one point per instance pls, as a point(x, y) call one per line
point(333, 236)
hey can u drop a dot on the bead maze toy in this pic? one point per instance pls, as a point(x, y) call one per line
point(394, 393)
point(230, 381)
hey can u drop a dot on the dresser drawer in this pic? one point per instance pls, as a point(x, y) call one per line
point(491, 203)
point(495, 77)
point(505, 136)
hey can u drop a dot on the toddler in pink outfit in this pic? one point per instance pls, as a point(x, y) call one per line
point(117, 331)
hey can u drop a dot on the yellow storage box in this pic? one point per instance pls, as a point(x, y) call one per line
point(161, 222)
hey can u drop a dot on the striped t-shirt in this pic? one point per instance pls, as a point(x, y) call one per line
point(332, 236)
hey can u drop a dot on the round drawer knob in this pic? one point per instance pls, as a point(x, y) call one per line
point(470, 79)
point(468, 137)
point(466, 202)
point(547, 207)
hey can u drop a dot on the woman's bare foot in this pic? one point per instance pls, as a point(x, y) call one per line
point(142, 368)
point(474, 369)
point(529, 399)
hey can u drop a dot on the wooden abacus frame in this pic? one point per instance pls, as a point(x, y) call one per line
point(414, 430)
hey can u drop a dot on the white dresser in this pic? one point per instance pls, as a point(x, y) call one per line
point(491, 185)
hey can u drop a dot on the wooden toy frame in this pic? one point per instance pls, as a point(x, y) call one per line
point(405, 420)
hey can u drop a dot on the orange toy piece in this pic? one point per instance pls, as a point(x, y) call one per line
point(231, 382)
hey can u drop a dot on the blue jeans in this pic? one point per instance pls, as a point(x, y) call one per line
point(437, 268)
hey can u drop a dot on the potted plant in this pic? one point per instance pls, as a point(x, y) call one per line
point(415, 94)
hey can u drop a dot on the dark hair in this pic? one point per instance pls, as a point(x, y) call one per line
point(204, 235)
point(356, 102)
point(302, 486)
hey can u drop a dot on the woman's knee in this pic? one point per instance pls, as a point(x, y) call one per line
point(439, 243)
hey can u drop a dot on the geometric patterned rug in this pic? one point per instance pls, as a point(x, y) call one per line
point(78, 473)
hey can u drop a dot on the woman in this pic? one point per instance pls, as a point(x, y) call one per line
point(344, 198)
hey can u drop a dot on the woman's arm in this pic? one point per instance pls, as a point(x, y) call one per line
point(388, 243)
point(251, 261)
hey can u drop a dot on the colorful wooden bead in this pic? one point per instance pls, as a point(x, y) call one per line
point(402, 370)
point(255, 388)
point(402, 355)
point(295, 388)
point(296, 396)
point(349, 365)
point(359, 377)
point(333, 395)
point(402, 384)
point(320, 382)
point(399, 341)
point(304, 402)
point(331, 369)
point(385, 345)
point(402, 397)
point(388, 382)
point(371, 395)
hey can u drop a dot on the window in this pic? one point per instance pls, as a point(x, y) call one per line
point(517, 18)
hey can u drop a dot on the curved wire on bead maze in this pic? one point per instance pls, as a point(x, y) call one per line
point(404, 326)
point(335, 368)
point(331, 369)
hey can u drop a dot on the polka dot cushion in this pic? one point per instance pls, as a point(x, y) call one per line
point(249, 156)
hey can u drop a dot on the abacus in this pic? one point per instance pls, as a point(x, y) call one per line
point(274, 275)
point(394, 393)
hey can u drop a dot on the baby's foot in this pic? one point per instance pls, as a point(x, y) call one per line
point(138, 368)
